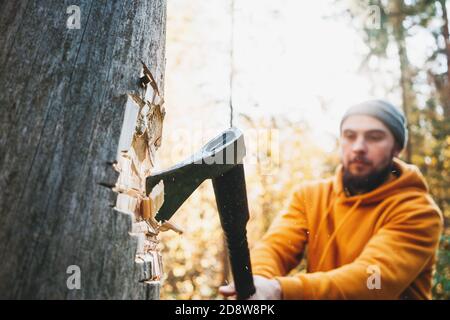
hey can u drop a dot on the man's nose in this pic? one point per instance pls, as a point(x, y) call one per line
point(359, 145)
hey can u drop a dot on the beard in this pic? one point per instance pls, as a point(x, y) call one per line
point(363, 184)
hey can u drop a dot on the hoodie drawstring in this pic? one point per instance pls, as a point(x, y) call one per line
point(327, 212)
point(333, 235)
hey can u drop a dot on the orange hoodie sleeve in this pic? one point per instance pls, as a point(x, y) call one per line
point(282, 246)
point(399, 250)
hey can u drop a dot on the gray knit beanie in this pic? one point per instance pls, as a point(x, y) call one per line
point(391, 116)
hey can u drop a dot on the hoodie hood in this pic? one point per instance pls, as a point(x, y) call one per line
point(409, 177)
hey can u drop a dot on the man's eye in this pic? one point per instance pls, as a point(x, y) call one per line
point(349, 136)
point(375, 137)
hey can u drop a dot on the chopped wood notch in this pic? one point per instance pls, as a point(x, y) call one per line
point(140, 138)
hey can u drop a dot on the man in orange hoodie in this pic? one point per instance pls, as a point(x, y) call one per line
point(371, 231)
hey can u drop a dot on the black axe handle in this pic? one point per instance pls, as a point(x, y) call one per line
point(231, 198)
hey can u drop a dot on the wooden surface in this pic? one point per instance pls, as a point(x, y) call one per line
point(62, 98)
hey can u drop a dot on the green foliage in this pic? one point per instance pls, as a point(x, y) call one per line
point(441, 289)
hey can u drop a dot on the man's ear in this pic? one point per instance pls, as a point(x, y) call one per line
point(397, 150)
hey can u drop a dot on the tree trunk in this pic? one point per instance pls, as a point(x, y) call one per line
point(445, 100)
point(63, 94)
point(408, 96)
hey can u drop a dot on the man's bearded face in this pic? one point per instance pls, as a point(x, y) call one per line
point(367, 151)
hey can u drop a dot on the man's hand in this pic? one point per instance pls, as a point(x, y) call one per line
point(266, 289)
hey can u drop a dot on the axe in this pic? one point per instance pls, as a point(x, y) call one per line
point(221, 161)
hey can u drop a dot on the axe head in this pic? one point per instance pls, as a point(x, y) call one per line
point(215, 158)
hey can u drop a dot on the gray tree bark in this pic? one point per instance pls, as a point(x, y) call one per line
point(62, 97)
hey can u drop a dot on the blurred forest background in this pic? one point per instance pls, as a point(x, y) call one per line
point(290, 70)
